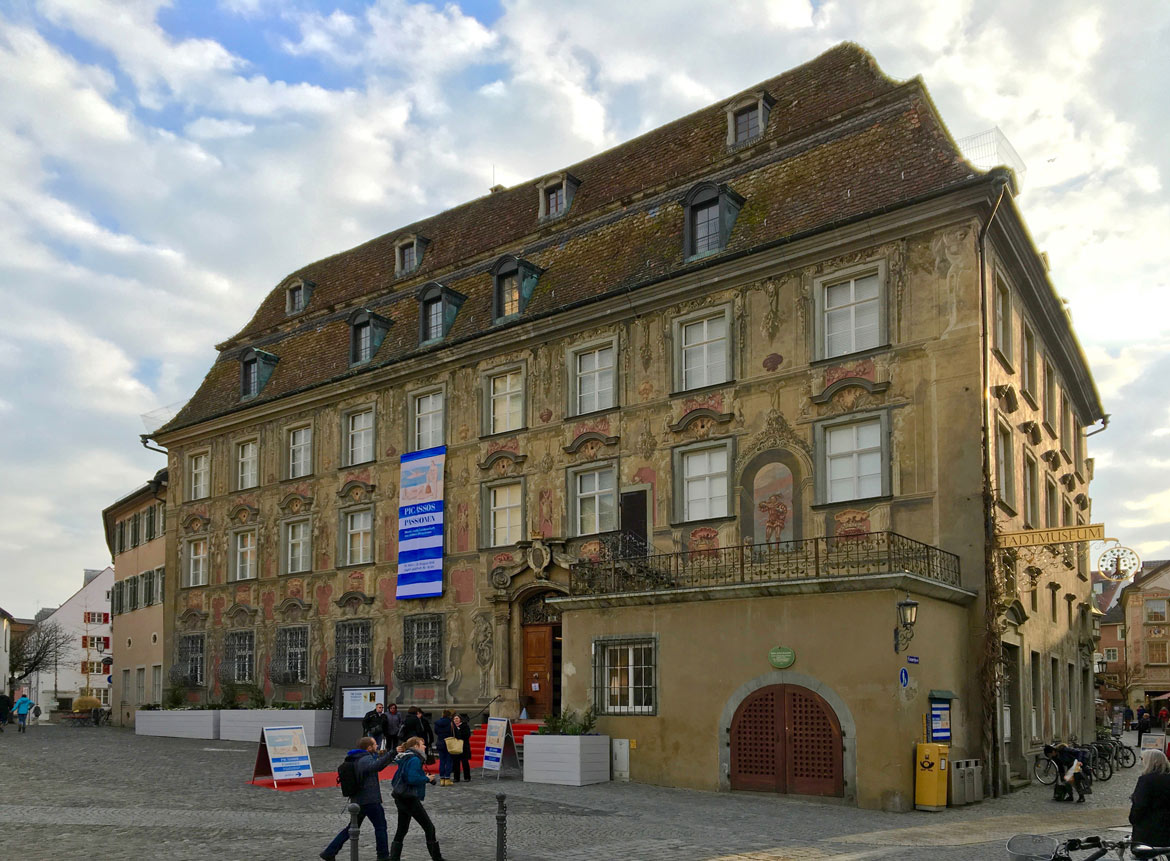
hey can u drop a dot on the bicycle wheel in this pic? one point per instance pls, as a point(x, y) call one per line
point(1044, 770)
point(1102, 770)
point(1126, 756)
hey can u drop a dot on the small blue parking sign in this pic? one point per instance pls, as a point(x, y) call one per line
point(903, 677)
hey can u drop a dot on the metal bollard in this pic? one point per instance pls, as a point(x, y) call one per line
point(501, 828)
point(355, 829)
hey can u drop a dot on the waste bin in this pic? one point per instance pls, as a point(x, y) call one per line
point(975, 787)
point(930, 778)
point(959, 795)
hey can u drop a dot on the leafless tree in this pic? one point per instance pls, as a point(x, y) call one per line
point(44, 646)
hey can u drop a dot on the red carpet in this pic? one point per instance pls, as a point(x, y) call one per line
point(328, 779)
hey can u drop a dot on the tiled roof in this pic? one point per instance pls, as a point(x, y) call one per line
point(842, 141)
point(1116, 615)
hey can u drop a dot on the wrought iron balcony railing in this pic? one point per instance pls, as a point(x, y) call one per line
point(616, 570)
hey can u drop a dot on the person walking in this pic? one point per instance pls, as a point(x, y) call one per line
point(366, 765)
point(5, 709)
point(394, 721)
point(1163, 715)
point(376, 725)
point(1127, 716)
point(1144, 725)
point(409, 790)
point(23, 706)
point(1149, 811)
point(461, 729)
point(442, 733)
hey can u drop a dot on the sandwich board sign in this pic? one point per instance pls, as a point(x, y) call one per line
point(283, 755)
point(498, 744)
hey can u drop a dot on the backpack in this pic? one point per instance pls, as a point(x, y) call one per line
point(347, 779)
point(398, 784)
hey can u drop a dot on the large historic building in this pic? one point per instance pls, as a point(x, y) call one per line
point(698, 432)
point(135, 528)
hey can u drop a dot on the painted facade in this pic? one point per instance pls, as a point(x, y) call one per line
point(135, 529)
point(676, 456)
point(1147, 633)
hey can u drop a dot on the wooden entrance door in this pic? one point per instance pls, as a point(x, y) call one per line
point(785, 738)
point(538, 669)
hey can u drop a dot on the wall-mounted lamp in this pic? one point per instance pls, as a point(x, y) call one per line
point(904, 630)
point(1101, 666)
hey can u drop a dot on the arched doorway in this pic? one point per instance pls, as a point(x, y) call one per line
point(786, 738)
point(540, 690)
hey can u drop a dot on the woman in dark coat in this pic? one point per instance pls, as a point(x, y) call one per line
point(461, 729)
point(1150, 812)
point(443, 731)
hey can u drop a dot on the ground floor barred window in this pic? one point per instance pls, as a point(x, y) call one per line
point(240, 655)
point(353, 647)
point(291, 661)
point(423, 646)
point(190, 662)
point(625, 676)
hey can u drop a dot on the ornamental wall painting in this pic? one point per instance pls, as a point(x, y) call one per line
point(770, 509)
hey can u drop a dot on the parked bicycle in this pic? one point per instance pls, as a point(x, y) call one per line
point(1039, 847)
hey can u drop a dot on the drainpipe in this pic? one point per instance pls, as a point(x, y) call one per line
point(990, 613)
point(144, 437)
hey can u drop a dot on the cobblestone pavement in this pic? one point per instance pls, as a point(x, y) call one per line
point(108, 794)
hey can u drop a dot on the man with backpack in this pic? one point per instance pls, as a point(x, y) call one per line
point(358, 778)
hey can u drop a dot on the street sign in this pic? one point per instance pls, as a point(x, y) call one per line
point(1040, 537)
point(903, 677)
point(912, 659)
point(498, 745)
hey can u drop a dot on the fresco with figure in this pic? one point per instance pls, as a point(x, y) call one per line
point(773, 509)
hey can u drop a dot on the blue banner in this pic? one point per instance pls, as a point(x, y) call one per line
point(420, 523)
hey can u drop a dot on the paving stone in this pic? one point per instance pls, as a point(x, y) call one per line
point(106, 793)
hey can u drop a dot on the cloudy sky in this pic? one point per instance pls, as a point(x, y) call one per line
point(163, 165)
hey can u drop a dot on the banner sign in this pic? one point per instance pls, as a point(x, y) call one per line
point(355, 702)
point(283, 754)
point(1061, 535)
point(420, 523)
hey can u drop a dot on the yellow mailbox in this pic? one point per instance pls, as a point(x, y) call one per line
point(930, 776)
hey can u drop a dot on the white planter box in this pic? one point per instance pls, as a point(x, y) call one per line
point(568, 760)
point(203, 723)
point(246, 724)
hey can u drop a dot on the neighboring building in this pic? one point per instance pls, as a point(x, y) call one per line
point(1147, 632)
point(712, 405)
point(6, 620)
point(135, 528)
point(80, 670)
point(1106, 591)
point(1116, 678)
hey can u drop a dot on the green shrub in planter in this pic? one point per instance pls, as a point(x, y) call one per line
point(566, 723)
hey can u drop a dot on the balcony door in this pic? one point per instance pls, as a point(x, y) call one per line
point(786, 738)
point(541, 680)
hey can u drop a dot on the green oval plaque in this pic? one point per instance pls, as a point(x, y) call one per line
point(782, 657)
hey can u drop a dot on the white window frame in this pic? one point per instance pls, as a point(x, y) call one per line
point(1002, 318)
point(1146, 609)
point(682, 458)
point(601, 401)
point(679, 328)
point(359, 441)
point(234, 655)
point(618, 696)
point(1031, 494)
point(1051, 397)
point(296, 466)
point(821, 429)
point(510, 394)
point(435, 420)
point(1110, 654)
point(852, 273)
point(1051, 503)
point(191, 577)
point(298, 536)
point(244, 550)
point(244, 479)
point(198, 475)
point(1005, 467)
point(290, 649)
point(351, 529)
point(1165, 653)
point(580, 501)
point(1028, 356)
point(492, 510)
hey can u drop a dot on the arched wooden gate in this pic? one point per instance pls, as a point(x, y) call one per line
point(785, 738)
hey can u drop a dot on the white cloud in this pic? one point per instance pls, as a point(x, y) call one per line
point(152, 193)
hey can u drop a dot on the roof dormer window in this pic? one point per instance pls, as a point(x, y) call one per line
point(515, 279)
point(556, 194)
point(709, 213)
point(296, 296)
point(408, 254)
point(366, 331)
point(747, 117)
point(438, 306)
point(255, 369)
